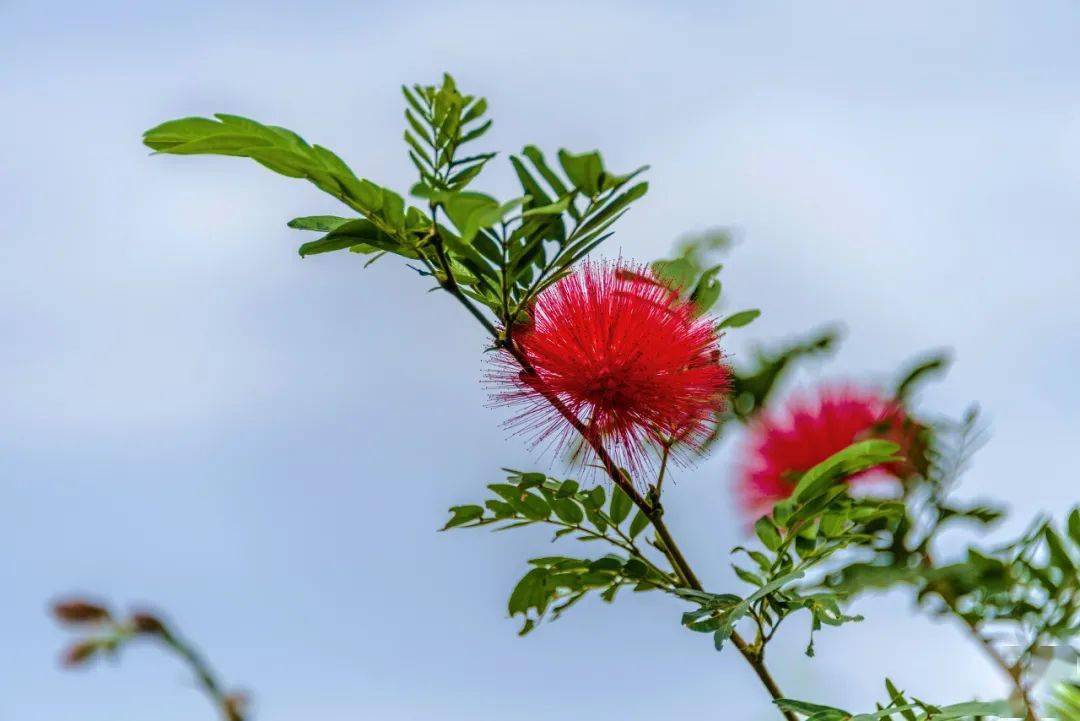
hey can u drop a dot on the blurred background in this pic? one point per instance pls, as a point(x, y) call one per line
point(192, 417)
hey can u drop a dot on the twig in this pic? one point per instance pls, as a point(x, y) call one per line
point(652, 510)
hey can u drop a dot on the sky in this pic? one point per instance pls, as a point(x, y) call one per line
point(194, 418)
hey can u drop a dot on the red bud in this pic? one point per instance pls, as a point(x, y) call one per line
point(80, 653)
point(147, 623)
point(235, 704)
point(77, 611)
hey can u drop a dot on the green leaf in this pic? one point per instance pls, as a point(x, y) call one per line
point(500, 509)
point(532, 591)
point(477, 109)
point(567, 510)
point(1059, 554)
point(639, 524)
point(752, 578)
point(1074, 525)
point(174, 133)
point(472, 211)
point(932, 365)
point(999, 709)
point(529, 480)
point(538, 197)
point(738, 320)
point(583, 170)
point(767, 533)
point(774, 585)
point(595, 497)
point(596, 518)
point(474, 133)
point(556, 208)
point(459, 180)
point(353, 233)
point(680, 273)
point(280, 150)
point(607, 563)
point(1065, 704)
point(853, 459)
point(753, 387)
point(707, 291)
point(537, 158)
point(534, 507)
point(620, 505)
point(985, 515)
point(611, 181)
point(321, 223)
point(528, 504)
point(567, 489)
point(462, 515)
point(810, 709)
point(614, 207)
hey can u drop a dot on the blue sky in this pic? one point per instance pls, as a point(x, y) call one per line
point(195, 418)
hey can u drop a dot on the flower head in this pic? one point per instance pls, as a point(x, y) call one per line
point(809, 430)
point(614, 353)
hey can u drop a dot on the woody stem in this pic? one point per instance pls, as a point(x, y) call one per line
point(652, 510)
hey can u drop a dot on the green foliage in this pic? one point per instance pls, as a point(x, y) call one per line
point(1029, 587)
point(738, 320)
point(694, 271)
point(900, 707)
point(564, 217)
point(1032, 582)
point(496, 253)
point(701, 246)
point(1065, 704)
point(900, 554)
point(395, 227)
point(557, 582)
point(924, 368)
point(753, 384)
point(819, 520)
point(697, 279)
point(507, 252)
point(440, 122)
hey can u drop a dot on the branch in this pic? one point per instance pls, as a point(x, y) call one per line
point(114, 633)
point(1012, 671)
point(652, 510)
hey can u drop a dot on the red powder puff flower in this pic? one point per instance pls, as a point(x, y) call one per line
point(808, 431)
point(622, 354)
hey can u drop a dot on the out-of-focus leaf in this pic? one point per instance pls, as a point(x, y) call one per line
point(738, 320)
point(922, 369)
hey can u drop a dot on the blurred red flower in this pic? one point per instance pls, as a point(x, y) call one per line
point(616, 350)
point(807, 431)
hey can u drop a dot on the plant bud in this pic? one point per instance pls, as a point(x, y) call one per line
point(78, 611)
point(79, 654)
point(147, 623)
point(235, 704)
